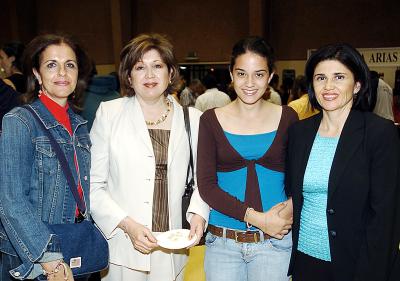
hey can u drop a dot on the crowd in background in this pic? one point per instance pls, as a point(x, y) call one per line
point(292, 91)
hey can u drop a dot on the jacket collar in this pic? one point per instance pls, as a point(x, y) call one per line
point(48, 119)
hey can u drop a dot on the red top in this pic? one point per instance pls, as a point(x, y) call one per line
point(61, 115)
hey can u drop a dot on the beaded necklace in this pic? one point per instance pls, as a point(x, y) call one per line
point(163, 117)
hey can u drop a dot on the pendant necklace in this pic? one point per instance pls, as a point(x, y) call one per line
point(163, 117)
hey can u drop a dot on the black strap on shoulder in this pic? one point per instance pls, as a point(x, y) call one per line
point(63, 162)
point(189, 184)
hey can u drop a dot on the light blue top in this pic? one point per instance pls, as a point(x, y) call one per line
point(271, 183)
point(313, 236)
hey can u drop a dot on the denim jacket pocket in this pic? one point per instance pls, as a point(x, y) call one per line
point(47, 160)
point(84, 142)
point(5, 244)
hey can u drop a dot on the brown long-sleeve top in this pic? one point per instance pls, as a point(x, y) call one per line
point(215, 154)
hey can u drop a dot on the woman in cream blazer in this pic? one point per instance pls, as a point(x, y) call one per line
point(123, 178)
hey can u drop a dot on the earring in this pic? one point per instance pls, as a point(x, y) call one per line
point(42, 91)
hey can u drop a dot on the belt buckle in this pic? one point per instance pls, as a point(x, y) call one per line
point(236, 237)
point(255, 237)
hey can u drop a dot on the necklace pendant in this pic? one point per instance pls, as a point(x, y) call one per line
point(162, 117)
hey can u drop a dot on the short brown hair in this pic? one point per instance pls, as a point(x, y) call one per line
point(133, 52)
point(31, 60)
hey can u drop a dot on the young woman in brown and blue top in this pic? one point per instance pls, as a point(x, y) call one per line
point(241, 157)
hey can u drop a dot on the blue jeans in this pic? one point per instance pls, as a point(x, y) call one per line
point(227, 260)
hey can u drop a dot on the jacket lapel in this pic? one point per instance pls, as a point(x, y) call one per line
point(137, 118)
point(304, 149)
point(350, 140)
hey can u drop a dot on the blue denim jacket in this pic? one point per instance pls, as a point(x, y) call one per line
point(33, 189)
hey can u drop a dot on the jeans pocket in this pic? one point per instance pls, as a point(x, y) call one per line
point(284, 245)
point(210, 239)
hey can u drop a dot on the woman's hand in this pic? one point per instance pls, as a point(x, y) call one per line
point(278, 220)
point(142, 238)
point(271, 222)
point(287, 212)
point(57, 270)
point(197, 224)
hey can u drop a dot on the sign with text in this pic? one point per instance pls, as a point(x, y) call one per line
point(377, 56)
point(381, 56)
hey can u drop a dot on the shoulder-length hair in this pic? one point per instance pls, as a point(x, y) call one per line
point(349, 57)
point(32, 57)
point(133, 52)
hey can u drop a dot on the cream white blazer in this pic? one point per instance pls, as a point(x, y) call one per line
point(122, 176)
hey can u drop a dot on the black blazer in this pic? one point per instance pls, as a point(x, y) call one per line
point(363, 195)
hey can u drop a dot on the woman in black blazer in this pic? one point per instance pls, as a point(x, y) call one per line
point(343, 171)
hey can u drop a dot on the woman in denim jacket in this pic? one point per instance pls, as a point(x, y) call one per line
point(33, 189)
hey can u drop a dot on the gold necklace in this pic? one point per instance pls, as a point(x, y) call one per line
point(163, 117)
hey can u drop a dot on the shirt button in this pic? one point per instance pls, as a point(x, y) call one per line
point(333, 233)
point(85, 178)
point(17, 274)
point(331, 211)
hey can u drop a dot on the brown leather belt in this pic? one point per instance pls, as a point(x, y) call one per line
point(238, 236)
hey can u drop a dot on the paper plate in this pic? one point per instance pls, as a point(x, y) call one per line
point(175, 239)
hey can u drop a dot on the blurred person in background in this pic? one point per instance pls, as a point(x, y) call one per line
point(100, 88)
point(384, 97)
point(212, 97)
point(299, 99)
point(191, 93)
point(10, 62)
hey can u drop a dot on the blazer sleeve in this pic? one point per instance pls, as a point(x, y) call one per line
point(197, 204)
point(105, 211)
point(376, 257)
